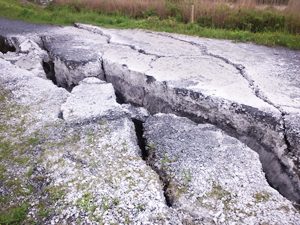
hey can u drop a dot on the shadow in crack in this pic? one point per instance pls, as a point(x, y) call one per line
point(49, 71)
point(145, 152)
point(6, 46)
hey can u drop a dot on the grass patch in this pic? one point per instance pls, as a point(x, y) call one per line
point(55, 192)
point(63, 15)
point(86, 203)
point(14, 159)
point(43, 210)
point(14, 215)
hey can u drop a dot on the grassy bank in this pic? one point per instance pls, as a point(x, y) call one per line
point(250, 15)
point(68, 14)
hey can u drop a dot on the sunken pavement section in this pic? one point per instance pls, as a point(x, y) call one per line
point(104, 126)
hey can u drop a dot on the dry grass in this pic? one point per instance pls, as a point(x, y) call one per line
point(164, 8)
point(210, 13)
point(69, 13)
point(293, 7)
point(134, 8)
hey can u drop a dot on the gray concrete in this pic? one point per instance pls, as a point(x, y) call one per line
point(85, 169)
point(250, 92)
point(212, 177)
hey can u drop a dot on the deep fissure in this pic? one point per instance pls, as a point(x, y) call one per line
point(258, 93)
point(142, 143)
point(267, 167)
point(276, 173)
point(49, 71)
point(277, 183)
point(139, 129)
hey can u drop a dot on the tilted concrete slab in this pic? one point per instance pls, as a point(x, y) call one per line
point(213, 177)
point(92, 98)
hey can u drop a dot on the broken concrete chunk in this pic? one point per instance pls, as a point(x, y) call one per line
point(92, 98)
point(138, 113)
point(212, 176)
point(42, 97)
point(29, 56)
point(79, 58)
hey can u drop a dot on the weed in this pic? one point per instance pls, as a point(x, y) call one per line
point(127, 220)
point(105, 203)
point(33, 141)
point(43, 211)
point(141, 207)
point(55, 192)
point(261, 197)
point(165, 160)
point(116, 201)
point(86, 203)
point(187, 176)
point(90, 137)
point(150, 148)
point(219, 193)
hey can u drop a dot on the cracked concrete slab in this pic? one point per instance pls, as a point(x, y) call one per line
point(263, 64)
point(211, 176)
point(78, 58)
point(91, 99)
point(144, 42)
point(207, 69)
point(167, 89)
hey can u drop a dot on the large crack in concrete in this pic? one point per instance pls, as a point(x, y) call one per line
point(277, 173)
point(258, 93)
point(138, 124)
point(270, 166)
point(147, 156)
point(239, 67)
point(109, 41)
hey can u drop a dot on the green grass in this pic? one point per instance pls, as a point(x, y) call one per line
point(64, 15)
point(13, 145)
point(14, 215)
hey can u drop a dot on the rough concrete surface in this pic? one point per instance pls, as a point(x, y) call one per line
point(212, 176)
point(80, 143)
point(84, 169)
